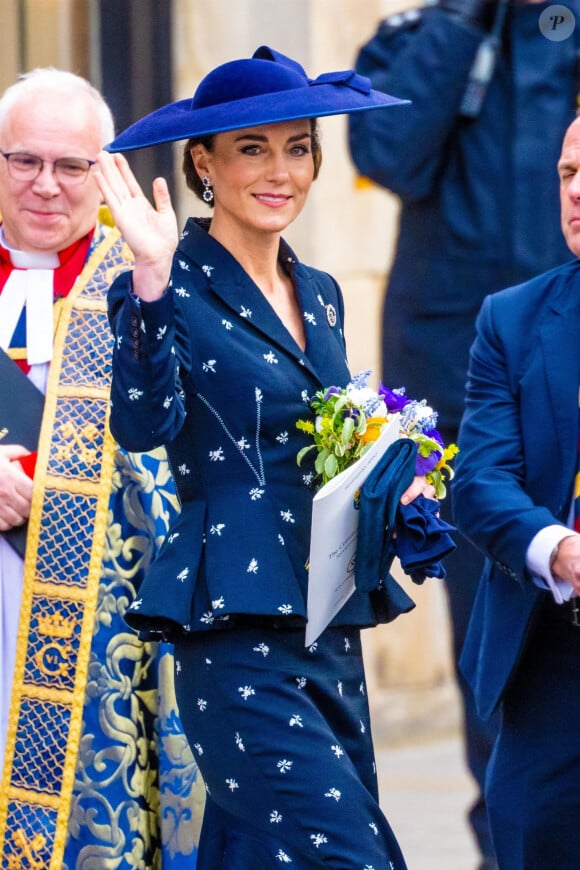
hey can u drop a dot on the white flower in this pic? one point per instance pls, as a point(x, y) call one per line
point(271, 358)
point(256, 493)
point(275, 817)
point(232, 784)
point(262, 648)
point(282, 437)
point(338, 750)
point(284, 765)
point(134, 394)
point(161, 332)
point(287, 516)
point(209, 366)
point(286, 609)
point(296, 721)
point(183, 574)
point(283, 857)
point(246, 692)
point(310, 318)
point(333, 793)
point(318, 839)
point(167, 402)
point(252, 567)
point(217, 455)
point(217, 529)
point(202, 704)
point(182, 292)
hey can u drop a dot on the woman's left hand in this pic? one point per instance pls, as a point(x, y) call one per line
point(420, 486)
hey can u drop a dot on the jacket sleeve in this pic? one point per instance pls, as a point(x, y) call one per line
point(491, 504)
point(426, 59)
point(147, 408)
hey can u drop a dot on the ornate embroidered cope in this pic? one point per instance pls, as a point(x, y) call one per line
point(80, 572)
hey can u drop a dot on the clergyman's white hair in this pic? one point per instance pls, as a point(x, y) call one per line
point(49, 78)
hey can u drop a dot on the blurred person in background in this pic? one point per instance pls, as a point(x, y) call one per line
point(494, 86)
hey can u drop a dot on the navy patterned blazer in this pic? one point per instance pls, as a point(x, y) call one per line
point(210, 371)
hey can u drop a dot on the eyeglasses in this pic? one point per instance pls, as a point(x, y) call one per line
point(27, 167)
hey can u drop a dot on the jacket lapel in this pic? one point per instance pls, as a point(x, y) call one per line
point(561, 339)
point(236, 290)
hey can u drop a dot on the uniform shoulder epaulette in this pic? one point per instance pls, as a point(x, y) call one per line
point(402, 20)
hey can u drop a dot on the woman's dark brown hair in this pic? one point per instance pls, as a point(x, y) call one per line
point(193, 180)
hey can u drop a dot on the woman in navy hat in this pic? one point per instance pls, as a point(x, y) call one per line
point(221, 338)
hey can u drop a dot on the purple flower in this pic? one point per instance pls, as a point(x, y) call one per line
point(395, 400)
point(332, 391)
point(425, 464)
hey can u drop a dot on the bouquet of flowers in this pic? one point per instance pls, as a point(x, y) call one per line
point(349, 419)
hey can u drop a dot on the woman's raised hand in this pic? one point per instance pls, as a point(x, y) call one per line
point(151, 232)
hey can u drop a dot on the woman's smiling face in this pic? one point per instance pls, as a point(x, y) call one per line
point(261, 176)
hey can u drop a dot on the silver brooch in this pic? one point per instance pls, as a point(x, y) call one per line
point(331, 314)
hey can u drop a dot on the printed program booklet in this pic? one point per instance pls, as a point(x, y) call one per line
point(334, 536)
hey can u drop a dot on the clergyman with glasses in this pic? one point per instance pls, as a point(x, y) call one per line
point(94, 759)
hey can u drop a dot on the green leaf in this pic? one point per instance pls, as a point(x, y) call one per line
point(302, 453)
point(347, 430)
point(330, 466)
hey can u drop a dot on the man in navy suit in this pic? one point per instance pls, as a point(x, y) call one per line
point(514, 498)
point(479, 211)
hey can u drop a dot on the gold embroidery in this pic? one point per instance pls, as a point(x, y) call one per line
point(51, 722)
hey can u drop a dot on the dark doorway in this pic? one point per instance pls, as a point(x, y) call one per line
point(136, 74)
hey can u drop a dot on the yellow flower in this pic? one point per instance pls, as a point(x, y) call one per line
point(373, 430)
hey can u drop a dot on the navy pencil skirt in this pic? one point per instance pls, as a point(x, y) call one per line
point(281, 734)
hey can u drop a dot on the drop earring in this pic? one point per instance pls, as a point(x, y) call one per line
point(208, 190)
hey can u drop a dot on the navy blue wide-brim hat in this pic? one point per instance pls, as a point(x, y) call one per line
point(264, 89)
